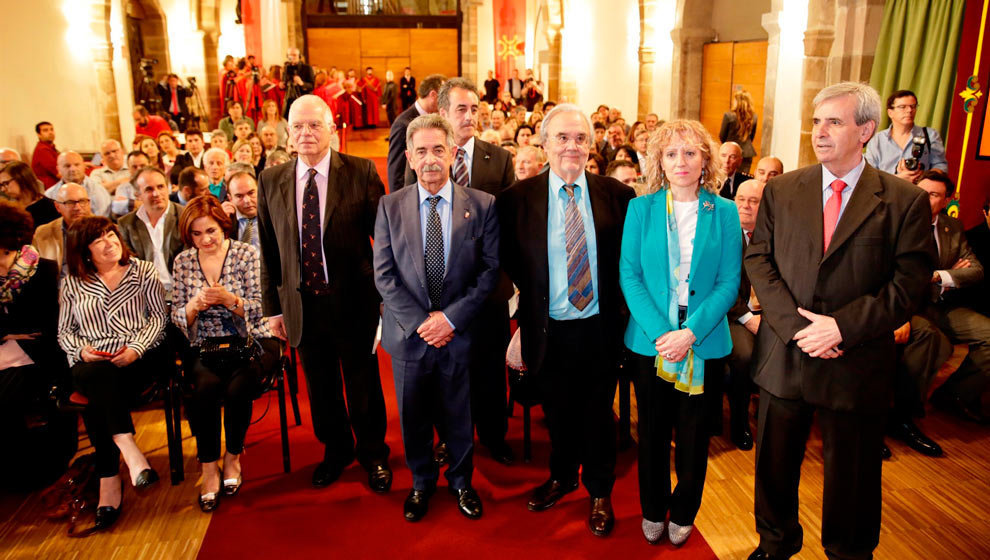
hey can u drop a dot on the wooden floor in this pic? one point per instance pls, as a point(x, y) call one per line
point(933, 508)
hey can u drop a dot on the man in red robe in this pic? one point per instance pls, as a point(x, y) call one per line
point(352, 114)
point(371, 92)
point(331, 92)
point(248, 90)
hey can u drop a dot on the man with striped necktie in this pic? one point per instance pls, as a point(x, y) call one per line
point(561, 234)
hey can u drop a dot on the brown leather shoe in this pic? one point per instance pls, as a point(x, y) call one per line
point(547, 494)
point(602, 519)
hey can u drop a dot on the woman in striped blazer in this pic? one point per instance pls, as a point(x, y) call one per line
point(112, 317)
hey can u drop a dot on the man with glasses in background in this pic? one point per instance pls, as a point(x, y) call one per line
point(890, 150)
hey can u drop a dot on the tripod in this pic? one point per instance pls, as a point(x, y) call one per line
point(147, 95)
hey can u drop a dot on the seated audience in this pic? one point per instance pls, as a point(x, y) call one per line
point(8, 155)
point(111, 322)
point(235, 115)
point(626, 152)
point(72, 168)
point(151, 232)
point(640, 139)
point(600, 140)
point(271, 116)
point(215, 163)
point(615, 139)
point(627, 173)
point(730, 158)
point(149, 146)
point(30, 360)
point(113, 173)
point(19, 186)
point(651, 121)
point(43, 159)
point(767, 168)
point(242, 152)
point(218, 294)
point(678, 332)
point(278, 157)
point(523, 135)
point(528, 162)
point(147, 124)
point(243, 195)
point(218, 139)
point(596, 164)
point(193, 182)
point(72, 202)
point(491, 136)
point(193, 156)
point(126, 199)
point(168, 147)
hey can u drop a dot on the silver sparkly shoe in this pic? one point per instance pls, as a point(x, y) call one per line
point(653, 531)
point(678, 534)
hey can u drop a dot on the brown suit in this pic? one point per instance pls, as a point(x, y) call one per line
point(135, 235)
point(870, 280)
point(48, 241)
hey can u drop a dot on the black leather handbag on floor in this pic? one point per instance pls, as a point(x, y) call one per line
point(228, 352)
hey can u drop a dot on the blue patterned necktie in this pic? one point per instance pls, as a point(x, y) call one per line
point(579, 288)
point(434, 254)
point(313, 278)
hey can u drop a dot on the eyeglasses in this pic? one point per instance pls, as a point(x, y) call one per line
point(314, 127)
point(563, 139)
point(70, 204)
point(905, 107)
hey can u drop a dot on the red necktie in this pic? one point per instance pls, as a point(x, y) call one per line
point(832, 207)
point(175, 103)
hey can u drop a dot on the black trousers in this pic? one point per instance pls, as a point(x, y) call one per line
point(918, 362)
point(489, 339)
point(578, 385)
point(964, 326)
point(740, 384)
point(232, 389)
point(435, 385)
point(111, 391)
point(851, 500)
point(336, 354)
point(663, 410)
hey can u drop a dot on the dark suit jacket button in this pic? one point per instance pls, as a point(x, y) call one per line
point(692, 292)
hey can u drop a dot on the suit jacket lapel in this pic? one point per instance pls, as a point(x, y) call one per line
point(810, 211)
point(335, 189)
point(536, 217)
point(659, 226)
point(144, 238)
point(460, 217)
point(861, 204)
point(286, 187)
point(944, 241)
point(480, 162)
point(413, 234)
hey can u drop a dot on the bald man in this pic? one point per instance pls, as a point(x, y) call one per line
point(730, 158)
point(316, 217)
point(113, 173)
point(768, 168)
point(8, 155)
point(72, 202)
point(72, 168)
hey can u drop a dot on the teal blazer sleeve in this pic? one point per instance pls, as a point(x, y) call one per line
point(641, 246)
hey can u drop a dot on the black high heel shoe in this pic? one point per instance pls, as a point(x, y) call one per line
point(210, 501)
point(231, 486)
point(106, 516)
point(145, 480)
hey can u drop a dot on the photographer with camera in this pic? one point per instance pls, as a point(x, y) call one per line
point(298, 79)
point(228, 78)
point(174, 97)
point(905, 149)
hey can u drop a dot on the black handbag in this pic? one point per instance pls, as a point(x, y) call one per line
point(228, 352)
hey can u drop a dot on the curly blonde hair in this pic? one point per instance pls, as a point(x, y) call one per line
point(692, 132)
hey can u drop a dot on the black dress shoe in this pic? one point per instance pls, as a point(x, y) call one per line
point(379, 477)
point(326, 473)
point(145, 480)
point(885, 452)
point(468, 502)
point(106, 516)
point(742, 438)
point(440, 454)
point(501, 452)
point(417, 502)
point(909, 433)
point(601, 520)
point(759, 554)
point(547, 494)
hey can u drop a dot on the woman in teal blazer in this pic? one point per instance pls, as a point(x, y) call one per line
point(679, 271)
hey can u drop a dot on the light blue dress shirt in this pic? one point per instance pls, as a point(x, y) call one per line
point(884, 154)
point(850, 179)
point(561, 308)
point(443, 208)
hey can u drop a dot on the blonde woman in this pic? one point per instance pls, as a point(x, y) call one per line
point(679, 270)
point(739, 126)
point(271, 115)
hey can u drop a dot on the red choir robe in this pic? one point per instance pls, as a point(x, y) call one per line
point(350, 105)
point(371, 93)
point(248, 93)
point(274, 92)
point(331, 92)
point(224, 93)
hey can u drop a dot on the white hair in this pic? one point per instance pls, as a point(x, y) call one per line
point(226, 156)
point(559, 110)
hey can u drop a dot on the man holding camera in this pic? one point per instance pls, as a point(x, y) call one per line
point(297, 81)
point(905, 149)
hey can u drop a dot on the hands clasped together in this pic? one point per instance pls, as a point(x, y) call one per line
point(821, 338)
point(436, 330)
point(674, 345)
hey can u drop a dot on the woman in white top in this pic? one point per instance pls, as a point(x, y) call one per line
point(679, 270)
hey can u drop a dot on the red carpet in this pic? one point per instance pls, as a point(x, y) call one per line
point(279, 514)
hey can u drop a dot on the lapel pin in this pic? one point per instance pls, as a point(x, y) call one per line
point(488, 156)
point(708, 206)
point(467, 214)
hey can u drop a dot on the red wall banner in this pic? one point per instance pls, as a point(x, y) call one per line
point(510, 37)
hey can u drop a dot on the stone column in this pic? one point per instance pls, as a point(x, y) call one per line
point(647, 56)
point(693, 28)
point(101, 50)
point(556, 90)
point(771, 22)
point(469, 38)
point(818, 41)
point(857, 28)
point(209, 26)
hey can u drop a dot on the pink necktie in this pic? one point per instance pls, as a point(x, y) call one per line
point(832, 207)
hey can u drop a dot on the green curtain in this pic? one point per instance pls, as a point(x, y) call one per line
point(917, 50)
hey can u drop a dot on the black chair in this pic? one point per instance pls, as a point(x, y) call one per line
point(522, 390)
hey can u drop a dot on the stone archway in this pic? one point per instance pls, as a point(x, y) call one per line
point(147, 43)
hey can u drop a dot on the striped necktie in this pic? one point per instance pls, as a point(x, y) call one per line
point(461, 176)
point(579, 288)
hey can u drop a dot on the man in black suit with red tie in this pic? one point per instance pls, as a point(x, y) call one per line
point(316, 215)
point(485, 167)
point(571, 311)
point(841, 256)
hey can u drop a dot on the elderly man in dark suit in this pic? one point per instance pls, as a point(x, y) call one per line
point(436, 261)
point(730, 156)
point(840, 257)
point(561, 233)
point(488, 168)
point(398, 166)
point(316, 215)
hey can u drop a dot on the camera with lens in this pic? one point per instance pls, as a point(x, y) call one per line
point(148, 66)
point(191, 80)
point(917, 150)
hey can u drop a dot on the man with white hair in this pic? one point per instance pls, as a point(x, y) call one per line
point(570, 306)
point(215, 162)
point(113, 173)
point(841, 255)
point(316, 216)
point(72, 168)
point(730, 157)
point(8, 155)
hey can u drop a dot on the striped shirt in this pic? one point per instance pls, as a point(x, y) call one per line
point(133, 315)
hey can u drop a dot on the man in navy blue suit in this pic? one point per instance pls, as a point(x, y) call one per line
point(436, 261)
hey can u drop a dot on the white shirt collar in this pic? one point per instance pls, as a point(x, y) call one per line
point(419, 108)
point(468, 148)
point(322, 168)
point(142, 214)
point(850, 179)
point(445, 192)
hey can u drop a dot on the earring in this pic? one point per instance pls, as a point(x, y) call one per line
point(701, 180)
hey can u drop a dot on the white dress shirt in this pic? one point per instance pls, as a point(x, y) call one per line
point(157, 234)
